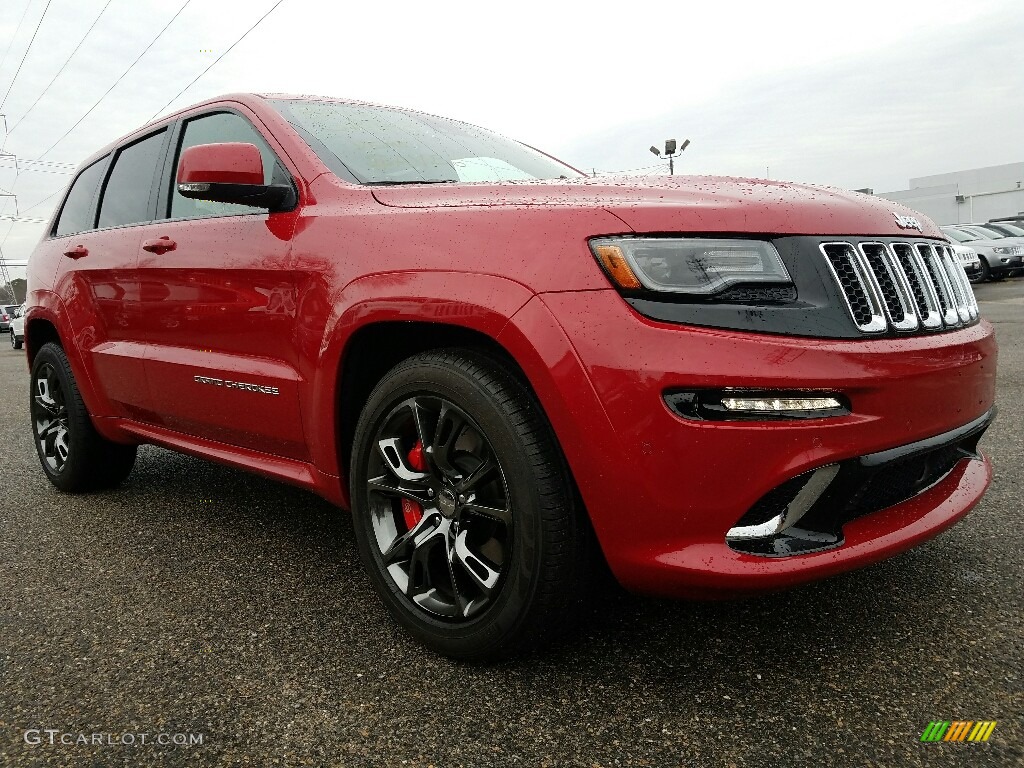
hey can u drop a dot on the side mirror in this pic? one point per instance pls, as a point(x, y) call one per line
point(230, 173)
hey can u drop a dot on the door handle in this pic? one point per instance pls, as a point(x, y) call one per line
point(159, 245)
point(77, 252)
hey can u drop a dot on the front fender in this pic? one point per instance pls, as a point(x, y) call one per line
point(479, 302)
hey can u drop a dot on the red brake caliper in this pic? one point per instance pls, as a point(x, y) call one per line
point(411, 511)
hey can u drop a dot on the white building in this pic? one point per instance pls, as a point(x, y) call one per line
point(963, 197)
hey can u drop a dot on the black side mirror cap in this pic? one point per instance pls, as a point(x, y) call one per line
point(274, 197)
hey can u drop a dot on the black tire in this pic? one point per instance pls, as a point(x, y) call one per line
point(538, 543)
point(16, 343)
point(74, 456)
point(985, 273)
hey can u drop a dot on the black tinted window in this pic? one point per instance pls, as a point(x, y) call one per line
point(222, 128)
point(76, 215)
point(126, 197)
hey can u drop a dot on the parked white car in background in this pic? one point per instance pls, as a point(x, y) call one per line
point(969, 260)
point(17, 328)
point(1000, 257)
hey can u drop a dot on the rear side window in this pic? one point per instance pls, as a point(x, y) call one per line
point(127, 193)
point(76, 215)
point(220, 128)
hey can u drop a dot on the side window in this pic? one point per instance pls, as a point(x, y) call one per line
point(220, 128)
point(127, 193)
point(76, 215)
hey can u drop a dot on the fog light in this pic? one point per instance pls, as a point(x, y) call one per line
point(756, 404)
point(781, 404)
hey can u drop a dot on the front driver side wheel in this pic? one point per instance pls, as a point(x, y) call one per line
point(464, 510)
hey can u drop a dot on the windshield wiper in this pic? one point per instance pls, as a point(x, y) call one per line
point(390, 183)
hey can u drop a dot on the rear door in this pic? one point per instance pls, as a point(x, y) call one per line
point(105, 216)
point(219, 306)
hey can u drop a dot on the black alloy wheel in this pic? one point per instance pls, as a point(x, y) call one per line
point(464, 510)
point(50, 418)
point(439, 507)
point(74, 456)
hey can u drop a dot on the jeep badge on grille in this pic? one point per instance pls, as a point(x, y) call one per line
point(907, 222)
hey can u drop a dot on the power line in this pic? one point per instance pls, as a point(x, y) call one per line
point(19, 168)
point(250, 29)
point(40, 202)
point(123, 74)
point(10, 44)
point(45, 163)
point(62, 68)
point(50, 163)
point(25, 55)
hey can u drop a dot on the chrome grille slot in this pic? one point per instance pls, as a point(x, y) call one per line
point(958, 280)
point(892, 286)
point(920, 285)
point(859, 290)
point(940, 279)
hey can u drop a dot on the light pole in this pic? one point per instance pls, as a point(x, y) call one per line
point(671, 153)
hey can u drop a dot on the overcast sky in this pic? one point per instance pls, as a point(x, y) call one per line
point(865, 94)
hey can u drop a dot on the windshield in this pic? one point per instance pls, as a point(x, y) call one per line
point(960, 237)
point(1007, 229)
point(383, 145)
point(988, 234)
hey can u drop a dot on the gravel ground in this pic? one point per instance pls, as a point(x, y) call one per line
point(200, 600)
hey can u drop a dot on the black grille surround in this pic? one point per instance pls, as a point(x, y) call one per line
point(844, 287)
point(862, 486)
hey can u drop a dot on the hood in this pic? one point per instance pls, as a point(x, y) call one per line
point(684, 204)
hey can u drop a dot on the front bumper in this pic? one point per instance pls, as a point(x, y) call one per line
point(662, 492)
point(1003, 265)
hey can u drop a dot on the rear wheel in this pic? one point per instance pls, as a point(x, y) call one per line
point(463, 507)
point(74, 456)
point(15, 341)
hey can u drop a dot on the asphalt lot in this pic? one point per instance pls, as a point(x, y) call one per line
point(200, 600)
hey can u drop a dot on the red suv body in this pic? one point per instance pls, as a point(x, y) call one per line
point(820, 417)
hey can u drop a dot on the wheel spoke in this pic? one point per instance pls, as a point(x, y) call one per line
point(394, 457)
point(461, 603)
point(60, 446)
point(423, 434)
point(43, 388)
point(475, 478)
point(48, 405)
point(420, 579)
point(417, 493)
point(483, 575)
point(405, 544)
point(55, 389)
point(450, 426)
point(503, 514)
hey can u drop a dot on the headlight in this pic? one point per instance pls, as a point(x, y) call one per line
point(1002, 249)
point(693, 266)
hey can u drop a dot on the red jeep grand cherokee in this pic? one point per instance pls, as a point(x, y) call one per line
point(505, 368)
